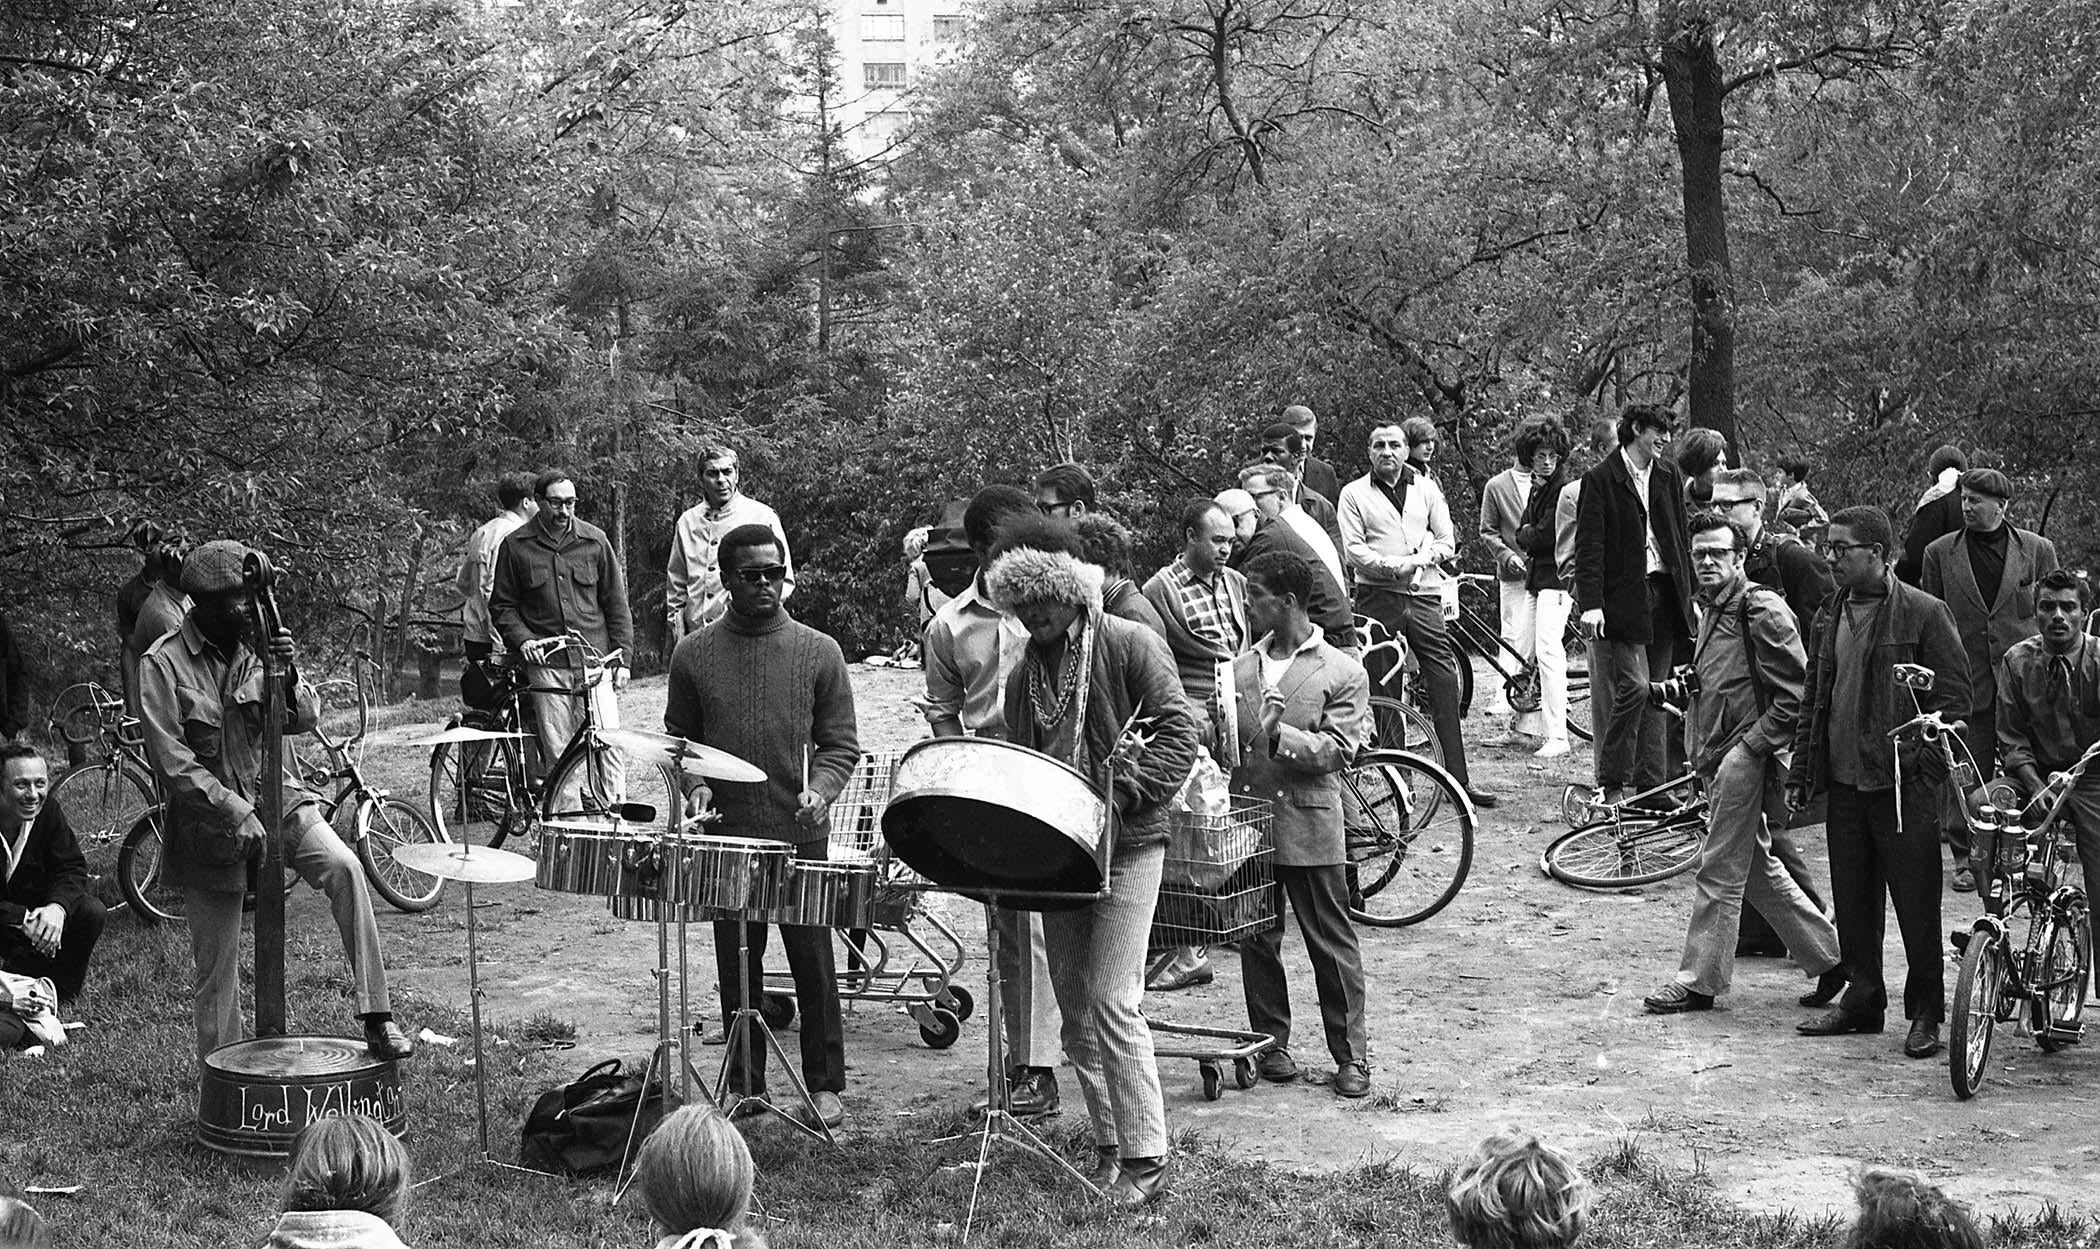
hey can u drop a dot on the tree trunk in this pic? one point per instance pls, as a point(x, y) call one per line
point(1692, 78)
point(409, 591)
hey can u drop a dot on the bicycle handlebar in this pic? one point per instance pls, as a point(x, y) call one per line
point(1929, 725)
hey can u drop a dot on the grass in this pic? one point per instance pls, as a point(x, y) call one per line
point(113, 1113)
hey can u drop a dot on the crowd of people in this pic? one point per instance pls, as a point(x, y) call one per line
point(1781, 621)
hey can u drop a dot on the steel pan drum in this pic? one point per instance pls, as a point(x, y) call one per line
point(598, 857)
point(629, 907)
point(256, 1095)
point(740, 875)
point(979, 815)
point(827, 895)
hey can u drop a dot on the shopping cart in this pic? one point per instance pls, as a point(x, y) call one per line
point(1217, 886)
point(907, 956)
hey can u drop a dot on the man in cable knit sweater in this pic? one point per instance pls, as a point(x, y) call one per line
point(764, 687)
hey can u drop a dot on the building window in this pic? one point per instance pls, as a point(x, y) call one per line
point(947, 29)
point(888, 27)
point(883, 73)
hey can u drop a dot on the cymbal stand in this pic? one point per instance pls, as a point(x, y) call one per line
point(481, 1080)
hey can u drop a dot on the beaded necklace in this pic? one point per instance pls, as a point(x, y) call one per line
point(1048, 714)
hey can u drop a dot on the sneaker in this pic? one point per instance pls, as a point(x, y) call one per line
point(1554, 748)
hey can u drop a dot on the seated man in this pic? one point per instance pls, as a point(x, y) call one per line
point(2049, 708)
point(48, 921)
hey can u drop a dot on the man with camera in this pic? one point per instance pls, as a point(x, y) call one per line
point(1870, 629)
point(1743, 694)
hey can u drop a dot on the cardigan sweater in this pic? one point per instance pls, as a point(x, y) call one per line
point(762, 690)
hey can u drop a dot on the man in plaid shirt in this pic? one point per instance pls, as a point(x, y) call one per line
point(1203, 605)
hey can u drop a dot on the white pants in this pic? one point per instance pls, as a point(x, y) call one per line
point(1518, 624)
point(1549, 621)
point(558, 716)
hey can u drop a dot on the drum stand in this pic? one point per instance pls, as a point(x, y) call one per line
point(736, 1034)
point(667, 1041)
point(1000, 1123)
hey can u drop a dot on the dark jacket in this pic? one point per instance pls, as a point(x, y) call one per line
point(546, 586)
point(1785, 563)
point(1911, 627)
point(1329, 607)
point(1321, 509)
point(1928, 524)
point(1319, 476)
point(1132, 670)
point(1537, 533)
point(1611, 562)
point(52, 869)
point(1121, 598)
point(1988, 630)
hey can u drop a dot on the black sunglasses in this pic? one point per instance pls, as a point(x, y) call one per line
point(759, 576)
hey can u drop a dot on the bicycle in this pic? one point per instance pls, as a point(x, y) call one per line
point(1408, 830)
point(1400, 720)
point(1649, 837)
point(103, 797)
point(1472, 632)
point(2025, 876)
point(485, 792)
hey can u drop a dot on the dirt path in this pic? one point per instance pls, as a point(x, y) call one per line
point(1520, 1003)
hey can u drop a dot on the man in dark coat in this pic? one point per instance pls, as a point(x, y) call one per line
point(1633, 590)
point(49, 922)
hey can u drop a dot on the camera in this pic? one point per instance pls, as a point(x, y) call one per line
point(1680, 687)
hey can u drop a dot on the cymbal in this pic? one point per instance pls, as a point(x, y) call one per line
point(686, 756)
point(462, 733)
point(479, 865)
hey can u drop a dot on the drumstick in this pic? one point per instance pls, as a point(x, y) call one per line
point(806, 749)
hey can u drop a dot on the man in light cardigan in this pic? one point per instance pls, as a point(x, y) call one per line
point(765, 688)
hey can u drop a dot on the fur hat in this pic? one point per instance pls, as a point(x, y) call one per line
point(1025, 575)
point(213, 568)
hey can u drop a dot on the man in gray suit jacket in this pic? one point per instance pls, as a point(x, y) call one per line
point(1302, 708)
point(1985, 573)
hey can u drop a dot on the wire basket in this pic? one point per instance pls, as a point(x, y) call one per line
point(1218, 882)
point(856, 816)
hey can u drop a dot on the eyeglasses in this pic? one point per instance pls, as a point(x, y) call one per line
point(759, 576)
point(1263, 494)
point(1713, 553)
point(567, 504)
point(1052, 509)
point(1838, 550)
point(1722, 505)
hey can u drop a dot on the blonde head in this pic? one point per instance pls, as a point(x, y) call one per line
point(694, 1172)
point(1516, 1192)
point(347, 1162)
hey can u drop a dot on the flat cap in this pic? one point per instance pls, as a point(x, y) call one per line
point(1987, 481)
point(214, 568)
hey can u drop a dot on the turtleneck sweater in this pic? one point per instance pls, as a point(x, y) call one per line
point(763, 690)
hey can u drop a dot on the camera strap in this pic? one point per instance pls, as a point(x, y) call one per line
point(1742, 626)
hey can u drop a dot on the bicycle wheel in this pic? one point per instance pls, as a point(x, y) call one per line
point(1618, 854)
point(2067, 963)
point(139, 870)
point(1400, 726)
point(101, 802)
point(585, 785)
point(476, 793)
point(1408, 828)
point(1975, 1012)
point(384, 825)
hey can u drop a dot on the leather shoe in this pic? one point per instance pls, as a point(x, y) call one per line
point(1186, 978)
point(1139, 1181)
point(1964, 879)
point(1033, 1093)
point(1352, 1080)
point(1828, 986)
point(385, 1040)
point(1482, 799)
point(1675, 999)
point(831, 1112)
point(1838, 1022)
point(1923, 1040)
point(1103, 1176)
point(1277, 1066)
